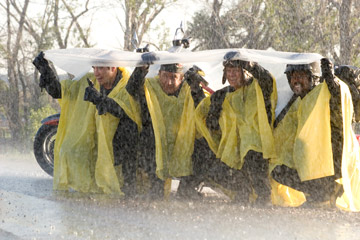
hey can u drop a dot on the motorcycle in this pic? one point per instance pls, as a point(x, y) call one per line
point(44, 143)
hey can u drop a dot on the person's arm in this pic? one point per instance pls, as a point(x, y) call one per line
point(135, 84)
point(136, 81)
point(216, 102)
point(103, 103)
point(48, 79)
point(265, 81)
point(284, 111)
point(111, 106)
point(327, 75)
point(263, 76)
point(197, 95)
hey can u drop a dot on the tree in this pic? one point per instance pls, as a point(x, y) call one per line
point(328, 27)
point(242, 25)
point(26, 35)
point(138, 17)
point(210, 30)
point(68, 26)
point(349, 30)
point(12, 102)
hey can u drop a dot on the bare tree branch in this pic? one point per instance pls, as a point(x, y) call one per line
point(75, 20)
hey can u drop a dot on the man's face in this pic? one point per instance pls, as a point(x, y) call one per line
point(300, 83)
point(105, 76)
point(169, 81)
point(234, 75)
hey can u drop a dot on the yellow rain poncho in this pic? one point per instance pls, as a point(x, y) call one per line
point(174, 127)
point(83, 147)
point(350, 166)
point(303, 137)
point(244, 125)
point(303, 142)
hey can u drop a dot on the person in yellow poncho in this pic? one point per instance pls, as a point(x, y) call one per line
point(168, 126)
point(236, 122)
point(310, 134)
point(87, 138)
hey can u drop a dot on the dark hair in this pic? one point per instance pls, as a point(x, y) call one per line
point(307, 68)
point(174, 67)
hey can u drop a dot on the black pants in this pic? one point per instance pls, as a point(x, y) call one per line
point(202, 159)
point(318, 189)
point(125, 152)
point(147, 159)
point(252, 175)
point(257, 168)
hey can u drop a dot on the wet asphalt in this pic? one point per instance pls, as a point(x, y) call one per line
point(30, 209)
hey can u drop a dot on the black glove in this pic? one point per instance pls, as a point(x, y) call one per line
point(41, 63)
point(47, 74)
point(92, 95)
point(148, 58)
point(231, 55)
point(193, 78)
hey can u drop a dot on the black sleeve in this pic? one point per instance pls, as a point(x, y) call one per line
point(113, 107)
point(136, 81)
point(197, 95)
point(265, 81)
point(263, 76)
point(53, 88)
point(216, 102)
point(217, 99)
point(333, 86)
point(284, 110)
point(328, 76)
point(351, 76)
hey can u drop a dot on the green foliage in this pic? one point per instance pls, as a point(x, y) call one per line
point(284, 25)
point(3, 92)
point(163, 34)
point(210, 32)
point(35, 119)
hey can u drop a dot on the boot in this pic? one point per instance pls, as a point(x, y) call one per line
point(156, 189)
point(188, 188)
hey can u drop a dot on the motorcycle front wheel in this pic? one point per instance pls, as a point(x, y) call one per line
point(44, 143)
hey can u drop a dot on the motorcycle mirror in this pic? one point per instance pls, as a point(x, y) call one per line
point(177, 35)
point(179, 38)
point(144, 49)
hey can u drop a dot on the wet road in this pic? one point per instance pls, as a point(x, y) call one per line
point(29, 209)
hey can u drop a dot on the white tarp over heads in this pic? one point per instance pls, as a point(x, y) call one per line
point(78, 61)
